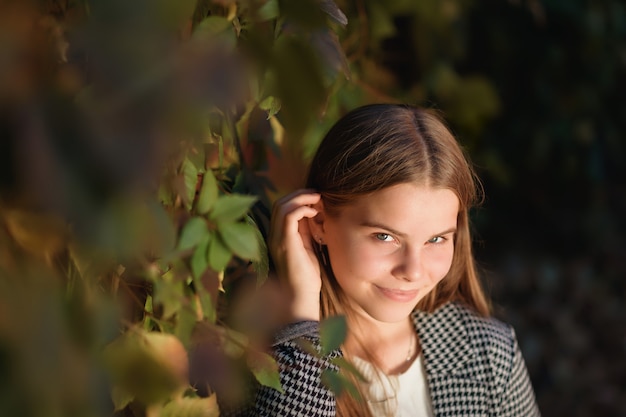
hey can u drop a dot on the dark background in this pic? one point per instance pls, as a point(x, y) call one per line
point(550, 235)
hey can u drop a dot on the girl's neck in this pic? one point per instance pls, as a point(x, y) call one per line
point(390, 346)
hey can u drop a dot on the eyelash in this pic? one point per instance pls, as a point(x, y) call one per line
point(437, 240)
point(386, 235)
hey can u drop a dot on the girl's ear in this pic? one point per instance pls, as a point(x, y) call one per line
point(316, 224)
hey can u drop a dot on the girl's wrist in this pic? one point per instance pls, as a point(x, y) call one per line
point(305, 308)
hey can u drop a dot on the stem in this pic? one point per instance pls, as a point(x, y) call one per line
point(233, 130)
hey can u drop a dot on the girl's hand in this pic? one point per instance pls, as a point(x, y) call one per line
point(291, 247)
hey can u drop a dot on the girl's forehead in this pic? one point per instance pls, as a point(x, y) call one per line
point(400, 203)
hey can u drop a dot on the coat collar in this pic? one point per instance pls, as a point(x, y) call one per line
point(444, 339)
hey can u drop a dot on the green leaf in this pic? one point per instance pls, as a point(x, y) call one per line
point(200, 257)
point(208, 310)
point(269, 10)
point(120, 397)
point(190, 174)
point(208, 193)
point(332, 333)
point(185, 323)
point(262, 265)
point(241, 239)
point(192, 407)
point(169, 292)
point(217, 28)
point(219, 254)
point(231, 207)
point(271, 105)
point(165, 195)
point(338, 383)
point(265, 370)
point(347, 366)
point(234, 343)
point(204, 297)
point(194, 232)
point(161, 233)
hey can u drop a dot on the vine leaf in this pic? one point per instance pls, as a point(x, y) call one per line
point(265, 369)
point(219, 254)
point(332, 333)
point(232, 207)
point(208, 193)
point(192, 407)
point(190, 175)
point(241, 239)
point(194, 232)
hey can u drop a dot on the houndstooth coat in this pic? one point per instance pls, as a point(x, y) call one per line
point(474, 367)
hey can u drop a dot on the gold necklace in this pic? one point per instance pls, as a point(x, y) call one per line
point(409, 354)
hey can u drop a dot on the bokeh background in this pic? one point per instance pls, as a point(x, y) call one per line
point(115, 114)
point(551, 233)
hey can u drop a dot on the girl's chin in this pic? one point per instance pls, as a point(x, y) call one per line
point(388, 315)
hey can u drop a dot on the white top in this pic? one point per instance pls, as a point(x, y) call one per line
point(403, 395)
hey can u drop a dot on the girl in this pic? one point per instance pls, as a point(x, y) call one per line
point(381, 236)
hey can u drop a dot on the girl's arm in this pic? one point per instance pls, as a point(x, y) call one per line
point(519, 397)
point(301, 376)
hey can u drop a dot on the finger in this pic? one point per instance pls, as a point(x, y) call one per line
point(288, 204)
point(299, 197)
point(291, 223)
point(305, 232)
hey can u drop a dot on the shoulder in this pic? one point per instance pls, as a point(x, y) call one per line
point(460, 321)
point(456, 337)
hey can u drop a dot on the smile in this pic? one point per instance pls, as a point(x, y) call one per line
point(402, 296)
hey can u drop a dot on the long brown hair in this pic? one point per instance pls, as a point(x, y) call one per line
point(380, 145)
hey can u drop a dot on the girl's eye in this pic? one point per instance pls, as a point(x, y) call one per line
point(383, 237)
point(437, 239)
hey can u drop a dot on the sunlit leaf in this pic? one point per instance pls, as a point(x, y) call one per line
point(332, 333)
point(271, 105)
point(241, 239)
point(120, 397)
point(232, 207)
point(148, 366)
point(169, 293)
point(195, 231)
point(192, 407)
point(265, 370)
point(190, 174)
point(208, 193)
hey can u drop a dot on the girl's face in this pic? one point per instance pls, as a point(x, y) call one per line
point(390, 248)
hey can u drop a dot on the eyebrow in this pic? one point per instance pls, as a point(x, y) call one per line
point(398, 233)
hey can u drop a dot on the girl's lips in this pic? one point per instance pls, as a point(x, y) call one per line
point(402, 296)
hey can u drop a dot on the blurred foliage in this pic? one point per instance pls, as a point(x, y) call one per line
point(142, 144)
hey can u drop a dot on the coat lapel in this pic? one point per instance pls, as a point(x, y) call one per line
point(450, 362)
